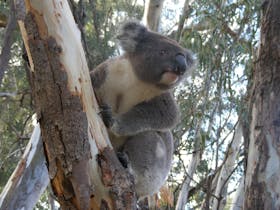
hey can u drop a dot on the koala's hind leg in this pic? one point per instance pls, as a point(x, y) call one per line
point(150, 155)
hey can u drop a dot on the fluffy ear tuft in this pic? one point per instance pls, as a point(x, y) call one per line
point(131, 33)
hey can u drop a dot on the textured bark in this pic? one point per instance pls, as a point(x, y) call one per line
point(262, 186)
point(73, 134)
point(118, 179)
point(54, 103)
point(30, 178)
point(152, 14)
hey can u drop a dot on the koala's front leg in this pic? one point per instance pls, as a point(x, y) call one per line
point(159, 114)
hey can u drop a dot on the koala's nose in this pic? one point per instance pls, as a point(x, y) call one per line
point(181, 64)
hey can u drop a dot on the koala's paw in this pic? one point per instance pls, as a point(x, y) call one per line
point(123, 158)
point(107, 115)
point(120, 129)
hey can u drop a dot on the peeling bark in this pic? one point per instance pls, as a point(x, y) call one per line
point(29, 179)
point(54, 102)
point(262, 186)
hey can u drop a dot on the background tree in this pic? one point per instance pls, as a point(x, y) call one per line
point(223, 34)
point(262, 174)
point(152, 13)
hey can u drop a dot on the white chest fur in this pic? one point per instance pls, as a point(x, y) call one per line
point(122, 89)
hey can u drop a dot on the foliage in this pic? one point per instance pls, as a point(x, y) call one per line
point(100, 21)
point(222, 33)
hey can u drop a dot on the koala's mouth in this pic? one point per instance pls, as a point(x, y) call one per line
point(169, 78)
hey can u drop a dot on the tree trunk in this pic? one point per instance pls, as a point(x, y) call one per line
point(220, 191)
point(238, 199)
point(73, 134)
point(262, 186)
point(152, 14)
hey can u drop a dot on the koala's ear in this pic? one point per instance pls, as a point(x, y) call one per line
point(130, 34)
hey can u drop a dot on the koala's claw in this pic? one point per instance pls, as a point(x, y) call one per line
point(107, 115)
point(123, 158)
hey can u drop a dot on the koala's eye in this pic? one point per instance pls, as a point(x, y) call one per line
point(163, 52)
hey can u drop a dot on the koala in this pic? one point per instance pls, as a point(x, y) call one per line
point(138, 108)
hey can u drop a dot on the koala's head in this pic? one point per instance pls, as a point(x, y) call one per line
point(156, 59)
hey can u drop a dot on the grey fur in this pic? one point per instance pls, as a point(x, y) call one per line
point(130, 35)
point(143, 132)
point(150, 50)
point(158, 114)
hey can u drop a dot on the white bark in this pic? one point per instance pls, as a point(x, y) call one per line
point(221, 188)
point(29, 179)
point(238, 199)
point(152, 13)
point(253, 152)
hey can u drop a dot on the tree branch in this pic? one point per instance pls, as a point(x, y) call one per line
point(186, 12)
